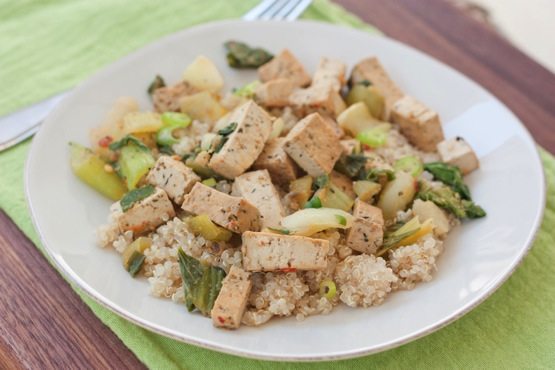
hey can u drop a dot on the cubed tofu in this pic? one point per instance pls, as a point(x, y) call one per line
point(275, 252)
point(274, 93)
point(245, 144)
point(257, 188)
point(273, 158)
point(173, 177)
point(313, 145)
point(457, 152)
point(343, 182)
point(318, 98)
point(370, 69)
point(167, 99)
point(426, 210)
point(366, 234)
point(284, 65)
point(234, 213)
point(349, 145)
point(418, 123)
point(332, 123)
point(232, 300)
point(331, 72)
point(147, 214)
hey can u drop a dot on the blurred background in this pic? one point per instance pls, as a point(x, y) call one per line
point(526, 23)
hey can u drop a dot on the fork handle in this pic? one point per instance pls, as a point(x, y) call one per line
point(21, 124)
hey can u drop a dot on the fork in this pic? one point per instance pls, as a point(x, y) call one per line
point(24, 123)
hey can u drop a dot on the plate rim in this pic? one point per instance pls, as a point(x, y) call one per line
point(77, 282)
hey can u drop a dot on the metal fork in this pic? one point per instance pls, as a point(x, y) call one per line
point(18, 126)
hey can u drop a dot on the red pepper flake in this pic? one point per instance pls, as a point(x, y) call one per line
point(105, 141)
point(289, 269)
point(221, 319)
point(367, 147)
point(416, 186)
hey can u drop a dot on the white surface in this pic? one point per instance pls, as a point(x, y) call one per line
point(479, 255)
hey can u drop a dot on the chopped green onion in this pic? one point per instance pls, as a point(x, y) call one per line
point(375, 137)
point(248, 90)
point(328, 289)
point(209, 182)
point(315, 202)
point(171, 121)
point(410, 164)
point(341, 219)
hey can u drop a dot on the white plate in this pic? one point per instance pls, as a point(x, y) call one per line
point(479, 256)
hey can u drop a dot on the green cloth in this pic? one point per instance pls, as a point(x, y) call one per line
point(49, 46)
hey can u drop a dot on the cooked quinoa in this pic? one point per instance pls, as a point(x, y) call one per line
point(281, 198)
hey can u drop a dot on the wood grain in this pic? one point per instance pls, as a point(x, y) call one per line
point(44, 324)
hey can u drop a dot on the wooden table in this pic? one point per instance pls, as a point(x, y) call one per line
point(44, 324)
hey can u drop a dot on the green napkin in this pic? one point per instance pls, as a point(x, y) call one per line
point(49, 46)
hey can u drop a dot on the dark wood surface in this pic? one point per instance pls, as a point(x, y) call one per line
point(44, 324)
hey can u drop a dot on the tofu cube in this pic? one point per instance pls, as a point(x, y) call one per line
point(167, 99)
point(457, 152)
point(147, 214)
point(284, 65)
point(366, 234)
point(245, 144)
point(173, 177)
point(418, 123)
point(343, 182)
point(234, 213)
point(274, 252)
point(281, 167)
point(330, 72)
point(317, 98)
point(257, 188)
point(370, 69)
point(231, 302)
point(313, 145)
point(332, 123)
point(274, 93)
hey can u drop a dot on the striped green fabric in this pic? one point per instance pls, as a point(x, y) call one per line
point(48, 46)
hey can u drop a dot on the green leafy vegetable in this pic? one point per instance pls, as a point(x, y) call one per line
point(228, 130)
point(397, 232)
point(241, 55)
point(446, 198)
point(201, 283)
point(126, 140)
point(135, 196)
point(248, 90)
point(351, 165)
point(321, 182)
point(157, 83)
point(315, 202)
point(379, 175)
point(449, 175)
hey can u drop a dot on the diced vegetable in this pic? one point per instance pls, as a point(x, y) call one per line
point(141, 122)
point(157, 83)
point(300, 190)
point(375, 137)
point(407, 234)
point(446, 198)
point(248, 90)
point(397, 194)
point(203, 74)
point(369, 95)
point(209, 182)
point(410, 164)
point(171, 121)
point(134, 196)
point(333, 197)
point(241, 55)
point(312, 220)
point(277, 128)
point(203, 226)
point(202, 106)
point(379, 175)
point(133, 255)
point(351, 165)
point(328, 289)
point(91, 169)
point(135, 160)
point(425, 210)
point(449, 175)
point(356, 119)
point(201, 283)
point(365, 189)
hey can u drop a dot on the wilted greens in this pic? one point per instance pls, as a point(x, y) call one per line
point(157, 83)
point(351, 165)
point(241, 55)
point(446, 198)
point(449, 175)
point(135, 196)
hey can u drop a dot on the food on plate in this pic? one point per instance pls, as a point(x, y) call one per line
point(287, 196)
